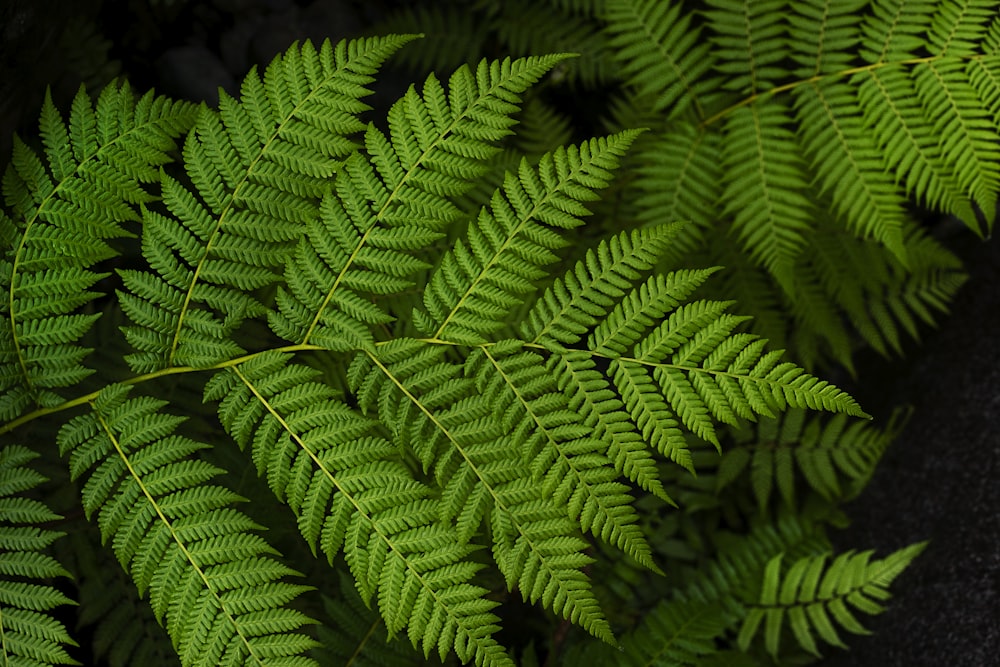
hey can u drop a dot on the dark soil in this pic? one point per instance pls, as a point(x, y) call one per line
point(940, 481)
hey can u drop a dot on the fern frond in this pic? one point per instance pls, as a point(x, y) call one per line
point(209, 578)
point(478, 462)
point(525, 27)
point(562, 454)
point(896, 30)
point(824, 35)
point(662, 55)
point(29, 634)
point(258, 167)
point(965, 130)
point(750, 43)
point(124, 629)
point(834, 457)
point(355, 635)
point(911, 148)
point(765, 187)
point(813, 598)
point(437, 146)
point(573, 304)
point(848, 163)
point(351, 494)
point(676, 633)
point(957, 28)
point(679, 178)
point(468, 296)
point(61, 208)
point(452, 37)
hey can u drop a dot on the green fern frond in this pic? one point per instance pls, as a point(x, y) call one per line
point(562, 455)
point(62, 206)
point(834, 457)
point(438, 145)
point(259, 167)
point(896, 30)
point(813, 598)
point(824, 35)
point(452, 37)
point(478, 461)
point(679, 177)
point(350, 493)
point(572, 305)
point(675, 633)
point(662, 55)
point(750, 43)
point(209, 578)
point(29, 634)
point(354, 634)
point(476, 284)
point(765, 187)
point(525, 27)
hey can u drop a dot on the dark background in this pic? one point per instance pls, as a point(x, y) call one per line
point(940, 481)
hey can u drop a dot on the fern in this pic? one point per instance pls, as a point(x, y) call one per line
point(812, 598)
point(29, 633)
point(448, 397)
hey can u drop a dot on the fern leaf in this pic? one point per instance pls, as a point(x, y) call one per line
point(662, 55)
point(124, 629)
point(896, 29)
point(675, 633)
point(526, 27)
point(468, 296)
point(965, 131)
point(355, 635)
point(208, 576)
point(585, 295)
point(62, 207)
point(437, 145)
point(862, 193)
point(892, 109)
point(481, 473)
point(834, 457)
point(563, 456)
point(679, 178)
point(765, 187)
point(824, 35)
point(813, 598)
point(750, 43)
point(589, 393)
point(957, 28)
point(258, 167)
point(351, 495)
point(31, 635)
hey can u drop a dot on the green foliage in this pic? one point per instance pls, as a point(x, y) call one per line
point(30, 634)
point(471, 401)
point(796, 138)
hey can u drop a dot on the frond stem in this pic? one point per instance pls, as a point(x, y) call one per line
point(812, 80)
point(146, 377)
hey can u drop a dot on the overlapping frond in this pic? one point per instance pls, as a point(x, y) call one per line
point(676, 632)
point(60, 209)
point(355, 635)
point(31, 633)
point(834, 457)
point(662, 53)
point(813, 597)
point(258, 168)
point(468, 296)
point(351, 494)
point(210, 579)
point(451, 426)
point(395, 199)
